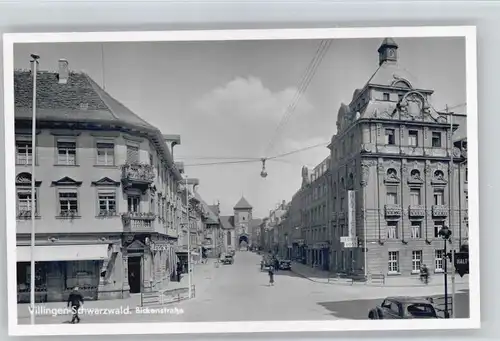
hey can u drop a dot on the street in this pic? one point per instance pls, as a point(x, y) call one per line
point(240, 292)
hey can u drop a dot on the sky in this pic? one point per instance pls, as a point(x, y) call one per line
point(226, 100)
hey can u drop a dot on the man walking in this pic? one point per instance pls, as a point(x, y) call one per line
point(75, 300)
point(179, 271)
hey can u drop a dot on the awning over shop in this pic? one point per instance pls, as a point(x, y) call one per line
point(55, 253)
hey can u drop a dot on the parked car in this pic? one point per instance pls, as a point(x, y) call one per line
point(228, 259)
point(403, 308)
point(285, 264)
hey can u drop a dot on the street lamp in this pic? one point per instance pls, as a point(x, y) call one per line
point(34, 61)
point(445, 233)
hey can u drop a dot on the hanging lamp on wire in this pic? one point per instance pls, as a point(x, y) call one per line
point(263, 173)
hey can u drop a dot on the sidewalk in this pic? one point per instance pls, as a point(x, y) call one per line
point(321, 276)
point(201, 278)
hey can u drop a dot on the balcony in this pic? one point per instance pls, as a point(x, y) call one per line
point(138, 222)
point(341, 215)
point(334, 215)
point(416, 211)
point(392, 210)
point(137, 175)
point(440, 211)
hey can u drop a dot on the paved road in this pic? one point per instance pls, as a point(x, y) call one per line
point(240, 292)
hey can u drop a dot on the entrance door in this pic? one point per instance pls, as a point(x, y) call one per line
point(134, 274)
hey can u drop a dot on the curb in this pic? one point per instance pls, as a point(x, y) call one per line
point(371, 284)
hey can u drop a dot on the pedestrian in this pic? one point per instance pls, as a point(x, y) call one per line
point(179, 271)
point(271, 276)
point(75, 300)
point(276, 264)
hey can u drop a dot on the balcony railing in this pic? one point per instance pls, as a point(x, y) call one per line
point(439, 211)
point(137, 221)
point(392, 210)
point(137, 173)
point(416, 211)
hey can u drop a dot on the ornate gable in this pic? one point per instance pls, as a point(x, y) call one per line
point(67, 181)
point(106, 182)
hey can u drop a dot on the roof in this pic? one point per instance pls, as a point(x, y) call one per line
point(214, 208)
point(255, 222)
point(408, 299)
point(80, 100)
point(211, 216)
point(227, 222)
point(242, 205)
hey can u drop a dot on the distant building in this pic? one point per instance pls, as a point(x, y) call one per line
point(108, 212)
point(238, 229)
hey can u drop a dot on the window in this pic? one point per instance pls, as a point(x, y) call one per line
point(416, 230)
point(68, 203)
point(393, 261)
point(413, 138)
point(24, 153)
point(105, 154)
point(386, 96)
point(438, 225)
point(66, 153)
point(466, 174)
point(436, 139)
point(392, 195)
point(150, 159)
point(107, 202)
point(342, 255)
point(390, 137)
point(229, 238)
point(400, 97)
point(132, 154)
point(438, 260)
point(392, 230)
point(415, 197)
point(134, 203)
point(24, 202)
point(438, 196)
point(416, 261)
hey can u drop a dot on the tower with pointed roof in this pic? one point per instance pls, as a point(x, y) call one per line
point(242, 219)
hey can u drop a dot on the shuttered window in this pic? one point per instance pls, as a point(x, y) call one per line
point(132, 154)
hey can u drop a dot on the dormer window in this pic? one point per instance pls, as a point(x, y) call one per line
point(387, 96)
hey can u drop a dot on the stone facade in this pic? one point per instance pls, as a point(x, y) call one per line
point(405, 170)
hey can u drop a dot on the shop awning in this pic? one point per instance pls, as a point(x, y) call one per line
point(54, 253)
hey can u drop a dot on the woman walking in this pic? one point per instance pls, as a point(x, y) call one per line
point(271, 276)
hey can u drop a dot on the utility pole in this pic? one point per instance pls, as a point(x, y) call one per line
point(34, 61)
point(452, 212)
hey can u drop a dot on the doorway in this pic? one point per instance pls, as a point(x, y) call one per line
point(134, 274)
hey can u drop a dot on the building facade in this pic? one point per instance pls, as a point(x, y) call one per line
point(396, 176)
point(108, 211)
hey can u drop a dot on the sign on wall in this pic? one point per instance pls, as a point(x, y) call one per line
point(351, 213)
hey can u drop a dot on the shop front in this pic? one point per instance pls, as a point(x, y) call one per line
point(58, 269)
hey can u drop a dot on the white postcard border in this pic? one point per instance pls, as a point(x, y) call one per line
point(468, 32)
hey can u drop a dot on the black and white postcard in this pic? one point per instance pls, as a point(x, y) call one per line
point(242, 181)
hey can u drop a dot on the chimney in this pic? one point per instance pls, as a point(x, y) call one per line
point(63, 71)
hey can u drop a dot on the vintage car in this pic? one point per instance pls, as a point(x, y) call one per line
point(285, 264)
point(227, 259)
point(403, 308)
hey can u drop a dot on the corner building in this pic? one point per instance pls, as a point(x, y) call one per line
point(107, 207)
point(395, 151)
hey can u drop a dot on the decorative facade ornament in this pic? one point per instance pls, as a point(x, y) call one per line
point(379, 129)
point(426, 132)
point(380, 169)
point(392, 176)
point(439, 178)
point(367, 148)
point(365, 174)
point(415, 177)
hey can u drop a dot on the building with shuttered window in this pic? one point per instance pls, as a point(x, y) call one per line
point(108, 211)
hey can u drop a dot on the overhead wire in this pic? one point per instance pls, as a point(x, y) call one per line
point(303, 85)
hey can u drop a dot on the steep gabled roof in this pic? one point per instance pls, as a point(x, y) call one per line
point(227, 222)
point(242, 205)
point(80, 101)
